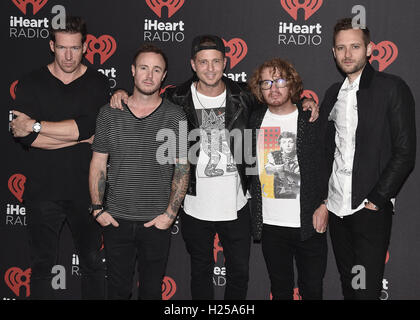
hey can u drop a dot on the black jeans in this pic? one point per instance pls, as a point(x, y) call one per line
point(128, 242)
point(45, 222)
point(362, 240)
point(235, 237)
point(280, 245)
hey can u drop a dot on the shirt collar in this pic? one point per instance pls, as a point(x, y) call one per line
point(354, 85)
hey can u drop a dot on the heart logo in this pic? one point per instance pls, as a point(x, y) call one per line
point(309, 94)
point(168, 288)
point(309, 6)
point(216, 247)
point(16, 185)
point(15, 278)
point(237, 50)
point(164, 89)
point(172, 5)
point(13, 89)
point(105, 46)
point(36, 5)
point(386, 53)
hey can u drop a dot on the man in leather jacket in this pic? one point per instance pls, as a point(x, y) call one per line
point(371, 146)
point(216, 200)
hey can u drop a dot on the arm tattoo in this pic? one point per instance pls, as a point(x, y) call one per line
point(101, 185)
point(179, 185)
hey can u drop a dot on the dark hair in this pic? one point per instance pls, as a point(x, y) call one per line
point(205, 42)
point(149, 47)
point(287, 72)
point(73, 25)
point(287, 135)
point(346, 24)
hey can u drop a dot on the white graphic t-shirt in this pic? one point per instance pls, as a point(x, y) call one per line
point(219, 191)
point(279, 169)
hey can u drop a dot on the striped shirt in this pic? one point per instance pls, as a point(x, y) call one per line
point(141, 157)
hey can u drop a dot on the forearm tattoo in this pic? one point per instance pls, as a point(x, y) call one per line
point(101, 185)
point(179, 185)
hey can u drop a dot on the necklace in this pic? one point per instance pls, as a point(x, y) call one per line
point(196, 95)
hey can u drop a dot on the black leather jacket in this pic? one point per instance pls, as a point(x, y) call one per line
point(385, 150)
point(239, 102)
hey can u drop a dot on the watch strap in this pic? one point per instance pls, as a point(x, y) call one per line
point(94, 207)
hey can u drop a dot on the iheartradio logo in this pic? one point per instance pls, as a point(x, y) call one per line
point(308, 6)
point(16, 185)
point(15, 278)
point(168, 288)
point(13, 89)
point(36, 5)
point(237, 50)
point(310, 95)
point(172, 6)
point(385, 52)
point(105, 46)
point(217, 247)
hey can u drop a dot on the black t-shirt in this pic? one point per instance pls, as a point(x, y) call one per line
point(60, 174)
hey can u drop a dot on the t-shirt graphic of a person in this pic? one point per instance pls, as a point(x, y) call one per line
point(283, 164)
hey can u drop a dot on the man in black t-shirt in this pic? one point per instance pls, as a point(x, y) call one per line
point(54, 118)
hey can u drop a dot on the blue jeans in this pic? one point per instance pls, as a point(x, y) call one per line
point(235, 237)
point(45, 222)
point(128, 242)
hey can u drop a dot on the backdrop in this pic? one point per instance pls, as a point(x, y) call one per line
point(297, 30)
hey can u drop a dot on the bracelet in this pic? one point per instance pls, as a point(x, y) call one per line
point(170, 216)
point(98, 214)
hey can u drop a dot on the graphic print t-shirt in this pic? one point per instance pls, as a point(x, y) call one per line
point(219, 192)
point(279, 170)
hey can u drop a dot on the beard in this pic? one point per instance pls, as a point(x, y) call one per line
point(212, 84)
point(279, 101)
point(359, 65)
point(149, 92)
point(69, 69)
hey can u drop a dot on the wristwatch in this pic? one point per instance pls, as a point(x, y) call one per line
point(94, 207)
point(36, 127)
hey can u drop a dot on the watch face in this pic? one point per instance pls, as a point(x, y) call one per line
point(36, 127)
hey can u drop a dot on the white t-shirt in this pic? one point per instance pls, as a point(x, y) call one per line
point(219, 191)
point(279, 169)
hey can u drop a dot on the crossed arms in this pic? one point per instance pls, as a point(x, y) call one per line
point(53, 135)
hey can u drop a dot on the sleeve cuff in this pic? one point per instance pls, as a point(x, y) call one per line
point(85, 126)
point(29, 139)
point(377, 199)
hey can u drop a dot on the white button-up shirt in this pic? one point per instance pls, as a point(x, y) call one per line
point(344, 115)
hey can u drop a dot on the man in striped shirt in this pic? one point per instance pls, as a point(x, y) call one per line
point(146, 182)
